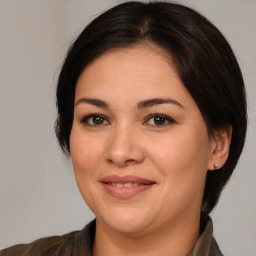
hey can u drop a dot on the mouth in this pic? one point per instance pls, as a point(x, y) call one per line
point(126, 187)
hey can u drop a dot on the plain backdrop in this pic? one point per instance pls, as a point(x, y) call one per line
point(38, 194)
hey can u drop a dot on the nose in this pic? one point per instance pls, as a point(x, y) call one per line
point(124, 147)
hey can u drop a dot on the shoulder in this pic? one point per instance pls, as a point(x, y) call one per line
point(43, 246)
point(73, 243)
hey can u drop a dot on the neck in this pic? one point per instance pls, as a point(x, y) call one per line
point(175, 239)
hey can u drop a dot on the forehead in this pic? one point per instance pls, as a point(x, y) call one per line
point(146, 67)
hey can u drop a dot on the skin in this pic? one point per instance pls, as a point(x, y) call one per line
point(175, 153)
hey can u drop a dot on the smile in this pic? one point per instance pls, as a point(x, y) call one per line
point(125, 187)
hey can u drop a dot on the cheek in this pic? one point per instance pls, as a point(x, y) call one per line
point(86, 154)
point(182, 162)
point(86, 151)
point(182, 157)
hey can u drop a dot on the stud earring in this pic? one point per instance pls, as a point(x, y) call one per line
point(215, 166)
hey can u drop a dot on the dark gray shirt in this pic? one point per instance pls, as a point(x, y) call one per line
point(79, 243)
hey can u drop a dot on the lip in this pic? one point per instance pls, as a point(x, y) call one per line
point(138, 186)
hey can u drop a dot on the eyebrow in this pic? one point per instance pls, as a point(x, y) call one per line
point(95, 102)
point(142, 104)
point(157, 101)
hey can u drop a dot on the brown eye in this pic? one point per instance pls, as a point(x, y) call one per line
point(95, 120)
point(159, 120)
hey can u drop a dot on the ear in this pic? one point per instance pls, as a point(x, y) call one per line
point(221, 140)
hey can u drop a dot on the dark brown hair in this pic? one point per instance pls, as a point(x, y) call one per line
point(204, 60)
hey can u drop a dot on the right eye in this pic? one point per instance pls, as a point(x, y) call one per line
point(94, 120)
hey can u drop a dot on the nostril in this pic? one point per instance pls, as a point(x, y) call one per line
point(120, 162)
point(130, 161)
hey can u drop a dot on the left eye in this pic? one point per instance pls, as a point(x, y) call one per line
point(159, 120)
point(95, 120)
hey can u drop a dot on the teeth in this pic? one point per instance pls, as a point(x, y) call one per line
point(126, 185)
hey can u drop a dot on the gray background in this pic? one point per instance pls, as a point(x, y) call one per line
point(38, 194)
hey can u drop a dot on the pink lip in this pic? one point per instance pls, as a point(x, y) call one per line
point(139, 185)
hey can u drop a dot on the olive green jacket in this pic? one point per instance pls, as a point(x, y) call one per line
point(79, 243)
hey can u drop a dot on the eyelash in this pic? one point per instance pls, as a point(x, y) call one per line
point(86, 118)
point(166, 119)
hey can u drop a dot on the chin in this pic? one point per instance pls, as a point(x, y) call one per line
point(130, 221)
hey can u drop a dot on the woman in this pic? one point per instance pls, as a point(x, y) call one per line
point(152, 110)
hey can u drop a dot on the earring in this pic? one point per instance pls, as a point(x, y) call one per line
point(215, 166)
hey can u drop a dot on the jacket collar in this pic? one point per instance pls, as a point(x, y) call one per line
point(205, 245)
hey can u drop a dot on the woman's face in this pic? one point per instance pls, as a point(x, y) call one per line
point(139, 144)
